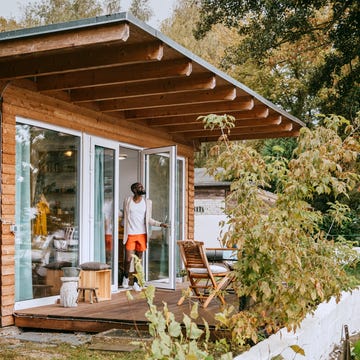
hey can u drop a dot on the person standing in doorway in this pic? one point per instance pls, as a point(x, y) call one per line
point(137, 224)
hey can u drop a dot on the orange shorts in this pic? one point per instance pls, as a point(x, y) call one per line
point(136, 242)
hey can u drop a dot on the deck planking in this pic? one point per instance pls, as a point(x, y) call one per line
point(117, 313)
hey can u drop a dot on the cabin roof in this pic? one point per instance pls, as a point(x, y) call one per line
point(122, 68)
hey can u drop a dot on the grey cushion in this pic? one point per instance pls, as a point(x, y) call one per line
point(93, 265)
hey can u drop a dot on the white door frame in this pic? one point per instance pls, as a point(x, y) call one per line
point(88, 185)
point(172, 150)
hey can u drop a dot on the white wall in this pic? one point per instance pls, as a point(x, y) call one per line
point(317, 335)
point(207, 229)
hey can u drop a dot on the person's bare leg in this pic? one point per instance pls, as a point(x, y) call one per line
point(128, 258)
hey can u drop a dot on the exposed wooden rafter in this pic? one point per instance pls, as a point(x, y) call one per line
point(161, 101)
point(116, 75)
point(181, 128)
point(241, 131)
point(23, 45)
point(145, 88)
point(83, 59)
point(246, 103)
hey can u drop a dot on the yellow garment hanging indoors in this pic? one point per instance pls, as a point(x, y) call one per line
point(40, 226)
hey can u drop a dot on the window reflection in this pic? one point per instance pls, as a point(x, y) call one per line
point(47, 179)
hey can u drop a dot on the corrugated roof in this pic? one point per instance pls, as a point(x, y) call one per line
point(202, 178)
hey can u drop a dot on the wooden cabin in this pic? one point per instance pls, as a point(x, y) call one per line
point(87, 108)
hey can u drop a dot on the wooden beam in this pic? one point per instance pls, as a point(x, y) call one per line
point(116, 75)
point(83, 59)
point(65, 40)
point(183, 98)
point(171, 120)
point(246, 103)
point(142, 88)
point(241, 131)
point(258, 112)
point(179, 128)
point(253, 136)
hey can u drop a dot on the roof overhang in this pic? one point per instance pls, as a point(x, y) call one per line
point(121, 67)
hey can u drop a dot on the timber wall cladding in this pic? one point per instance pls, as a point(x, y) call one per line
point(7, 259)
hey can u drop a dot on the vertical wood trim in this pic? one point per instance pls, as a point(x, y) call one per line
point(7, 213)
point(191, 194)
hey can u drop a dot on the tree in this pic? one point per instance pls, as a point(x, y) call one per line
point(47, 12)
point(331, 26)
point(287, 265)
point(141, 9)
point(180, 26)
point(112, 6)
point(7, 24)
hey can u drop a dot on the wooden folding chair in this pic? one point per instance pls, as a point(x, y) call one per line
point(206, 281)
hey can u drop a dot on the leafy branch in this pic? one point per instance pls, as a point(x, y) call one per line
point(171, 339)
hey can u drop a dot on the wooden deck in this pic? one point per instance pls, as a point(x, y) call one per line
point(117, 313)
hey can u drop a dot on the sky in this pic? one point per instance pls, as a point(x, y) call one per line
point(162, 9)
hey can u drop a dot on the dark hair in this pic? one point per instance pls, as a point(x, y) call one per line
point(134, 186)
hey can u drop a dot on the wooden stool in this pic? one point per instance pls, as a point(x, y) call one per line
point(92, 291)
point(41, 290)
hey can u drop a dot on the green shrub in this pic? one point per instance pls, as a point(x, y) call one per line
point(287, 265)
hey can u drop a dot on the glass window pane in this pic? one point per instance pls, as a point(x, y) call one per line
point(179, 212)
point(104, 205)
point(158, 191)
point(47, 216)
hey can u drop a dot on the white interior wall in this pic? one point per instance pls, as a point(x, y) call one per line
point(128, 173)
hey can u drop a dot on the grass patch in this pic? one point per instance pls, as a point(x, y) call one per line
point(30, 350)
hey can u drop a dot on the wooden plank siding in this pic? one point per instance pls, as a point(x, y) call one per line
point(7, 198)
point(32, 105)
point(21, 101)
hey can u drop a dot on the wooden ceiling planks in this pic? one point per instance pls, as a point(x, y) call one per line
point(131, 72)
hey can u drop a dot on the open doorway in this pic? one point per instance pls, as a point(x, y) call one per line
point(162, 174)
point(129, 172)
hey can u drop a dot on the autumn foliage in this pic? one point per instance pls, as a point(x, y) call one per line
point(286, 264)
